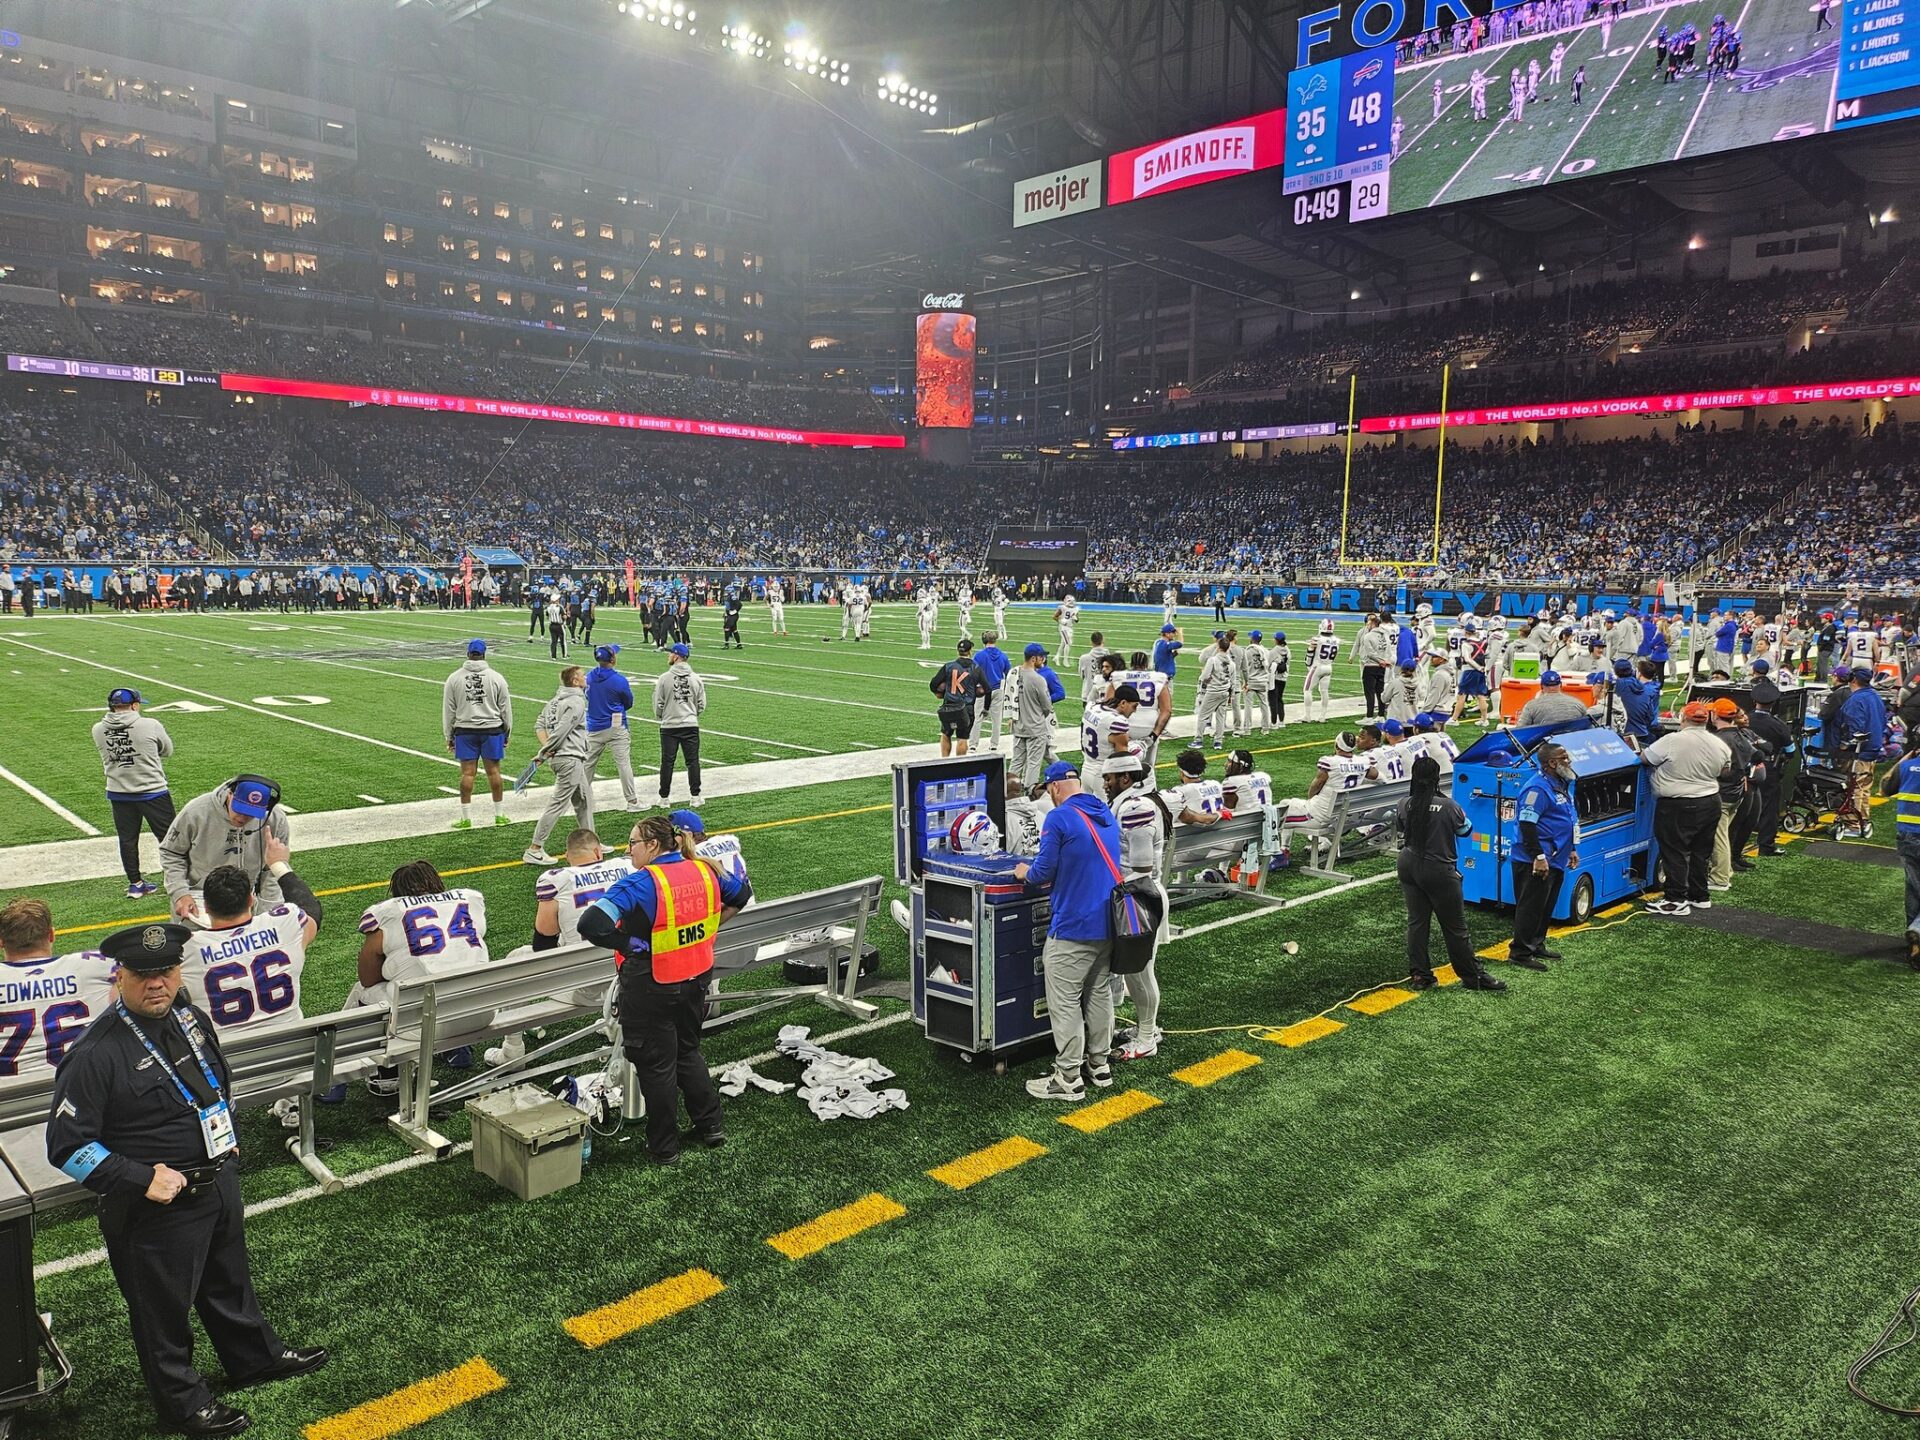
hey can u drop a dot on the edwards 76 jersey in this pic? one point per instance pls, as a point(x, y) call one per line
point(46, 1005)
point(425, 934)
point(572, 888)
point(248, 974)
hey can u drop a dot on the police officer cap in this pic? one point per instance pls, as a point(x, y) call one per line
point(147, 949)
point(687, 820)
point(1765, 692)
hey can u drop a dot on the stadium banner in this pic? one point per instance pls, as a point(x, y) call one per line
point(1831, 392)
point(1019, 551)
point(101, 370)
point(1221, 152)
point(560, 414)
point(1167, 442)
point(943, 367)
point(1072, 191)
point(1214, 437)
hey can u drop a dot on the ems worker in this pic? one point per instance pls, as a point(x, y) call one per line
point(1542, 855)
point(660, 922)
point(1902, 785)
point(609, 699)
point(141, 1116)
point(133, 752)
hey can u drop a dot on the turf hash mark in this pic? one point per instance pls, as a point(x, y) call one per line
point(996, 1159)
point(1207, 1072)
point(1111, 1111)
point(1381, 1001)
point(414, 1405)
point(836, 1225)
point(644, 1307)
point(1304, 1032)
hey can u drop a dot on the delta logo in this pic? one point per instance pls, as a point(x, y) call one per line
point(1369, 70)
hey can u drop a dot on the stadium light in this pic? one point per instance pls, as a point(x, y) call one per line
point(895, 90)
point(1353, 295)
point(1473, 277)
point(1694, 242)
point(1889, 217)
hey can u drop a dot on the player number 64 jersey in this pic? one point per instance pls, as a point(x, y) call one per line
point(573, 888)
point(424, 934)
point(46, 1005)
point(248, 974)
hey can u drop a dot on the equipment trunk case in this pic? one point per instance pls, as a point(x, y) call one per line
point(527, 1140)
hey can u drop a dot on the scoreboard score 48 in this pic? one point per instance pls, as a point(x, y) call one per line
point(1339, 138)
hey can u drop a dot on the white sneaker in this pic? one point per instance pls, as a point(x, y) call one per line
point(1718, 889)
point(1698, 904)
point(1053, 1086)
point(287, 1112)
point(1100, 1074)
point(902, 916)
point(1140, 1049)
point(514, 1047)
point(534, 855)
point(694, 802)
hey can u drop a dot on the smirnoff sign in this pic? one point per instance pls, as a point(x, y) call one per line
point(1222, 152)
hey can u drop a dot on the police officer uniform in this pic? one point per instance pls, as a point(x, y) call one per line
point(135, 1093)
point(660, 922)
point(1547, 823)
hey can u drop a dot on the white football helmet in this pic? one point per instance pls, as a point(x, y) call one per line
point(974, 833)
point(1326, 627)
point(1423, 612)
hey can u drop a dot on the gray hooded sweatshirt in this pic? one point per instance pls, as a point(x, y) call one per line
point(132, 748)
point(476, 698)
point(203, 838)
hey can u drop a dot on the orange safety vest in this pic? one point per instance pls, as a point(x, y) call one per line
point(688, 913)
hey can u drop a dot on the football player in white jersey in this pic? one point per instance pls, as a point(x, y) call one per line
point(845, 591)
point(245, 967)
point(1385, 745)
point(1105, 731)
point(1196, 800)
point(1093, 684)
point(1322, 651)
point(923, 608)
point(1312, 816)
point(1066, 614)
point(966, 610)
point(1862, 643)
point(1430, 730)
point(777, 607)
point(1247, 790)
point(1156, 703)
point(49, 999)
point(425, 928)
point(1423, 626)
point(1146, 822)
point(1000, 609)
point(1169, 605)
point(560, 894)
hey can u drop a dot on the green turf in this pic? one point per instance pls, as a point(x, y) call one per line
point(1627, 119)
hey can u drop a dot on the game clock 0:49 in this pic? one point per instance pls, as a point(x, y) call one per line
point(1321, 206)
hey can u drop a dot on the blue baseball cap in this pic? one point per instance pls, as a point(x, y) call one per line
point(1500, 757)
point(687, 820)
point(1842, 672)
point(682, 651)
point(1281, 636)
point(1762, 665)
point(1034, 647)
point(1625, 667)
point(1253, 635)
point(1168, 629)
point(1218, 633)
point(1392, 727)
point(1596, 677)
point(1549, 677)
point(1062, 770)
point(251, 796)
point(476, 647)
point(123, 696)
point(605, 653)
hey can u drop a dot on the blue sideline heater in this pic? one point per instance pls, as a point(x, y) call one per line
point(976, 931)
point(1612, 795)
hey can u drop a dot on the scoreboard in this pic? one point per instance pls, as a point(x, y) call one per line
point(1339, 124)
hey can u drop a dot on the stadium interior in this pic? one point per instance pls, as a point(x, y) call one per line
point(342, 338)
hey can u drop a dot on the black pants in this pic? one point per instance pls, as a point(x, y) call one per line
point(1277, 702)
point(534, 621)
point(1534, 897)
point(1220, 611)
point(1685, 830)
point(1767, 823)
point(660, 1035)
point(1746, 819)
point(1432, 891)
point(674, 741)
point(127, 818)
point(1373, 685)
point(680, 629)
point(171, 1260)
point(732, 631)
point(556, 640)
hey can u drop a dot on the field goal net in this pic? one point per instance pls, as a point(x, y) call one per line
point(1390, 498)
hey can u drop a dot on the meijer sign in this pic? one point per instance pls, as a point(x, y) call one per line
point(1058, 192)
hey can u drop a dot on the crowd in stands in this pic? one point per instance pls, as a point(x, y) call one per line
point(64, 495)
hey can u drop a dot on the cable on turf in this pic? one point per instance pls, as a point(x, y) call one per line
point(1884, 1347)
point(1261, 1030)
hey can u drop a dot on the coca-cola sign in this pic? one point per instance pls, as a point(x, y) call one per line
point(952, 300)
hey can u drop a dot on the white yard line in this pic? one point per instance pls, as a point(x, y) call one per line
point(36, 793)
point(371, 799)
point(1634, 57)
point(1695, 120)
point(1467, 164)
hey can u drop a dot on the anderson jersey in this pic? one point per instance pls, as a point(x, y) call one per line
point(48, 1005)
point(428, 934)
point(248, 974)
point(1322, 651)
point(572, 888)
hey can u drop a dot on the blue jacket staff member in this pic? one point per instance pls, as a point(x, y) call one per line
point(1863, 717)
point(609, 699)
point(1542, 854)
point(142, 1117)
point(994, 666)
point(1902, 785)
point(1080, 858)
point(133, 752)
point(1166, 648)
point(660, 922)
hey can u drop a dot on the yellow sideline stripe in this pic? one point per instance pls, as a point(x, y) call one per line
point(1303, 1032)
point(414, 1405)
point(1206, 1072)
point(1110, 1111)
point(1381, 1001)
point(836, 1225)
point(984, 1164)
point(643, 1307)
point(1445, 975)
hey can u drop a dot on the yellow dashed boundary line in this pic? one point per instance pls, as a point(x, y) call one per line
point(643, 1307)
point(1445, 975)
point(835, 1226)
point(1207, 1072)
point(1304, 1032)
point(984, 1164)
point(414, 1405)
point(1381, 1001)
point(1112, 1111)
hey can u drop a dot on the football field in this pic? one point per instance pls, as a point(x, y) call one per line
point(1627, 117)
point(1635, 1196)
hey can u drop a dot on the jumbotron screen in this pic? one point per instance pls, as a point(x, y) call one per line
point(1511, 99)
point(1013, 548)
point(943, 370)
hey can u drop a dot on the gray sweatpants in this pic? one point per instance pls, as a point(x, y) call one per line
point(1210, 713)
point(618, 739)
point(572, 790)
point(1079, 1004)
point(1143, 985)
point(993, 708)
point(1029, 757)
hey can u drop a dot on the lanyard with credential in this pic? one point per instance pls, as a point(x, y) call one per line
point(193, 1043)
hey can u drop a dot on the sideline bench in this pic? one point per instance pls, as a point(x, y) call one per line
point(1377, 804)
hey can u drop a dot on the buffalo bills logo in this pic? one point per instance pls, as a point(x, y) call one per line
point(1368, 71)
